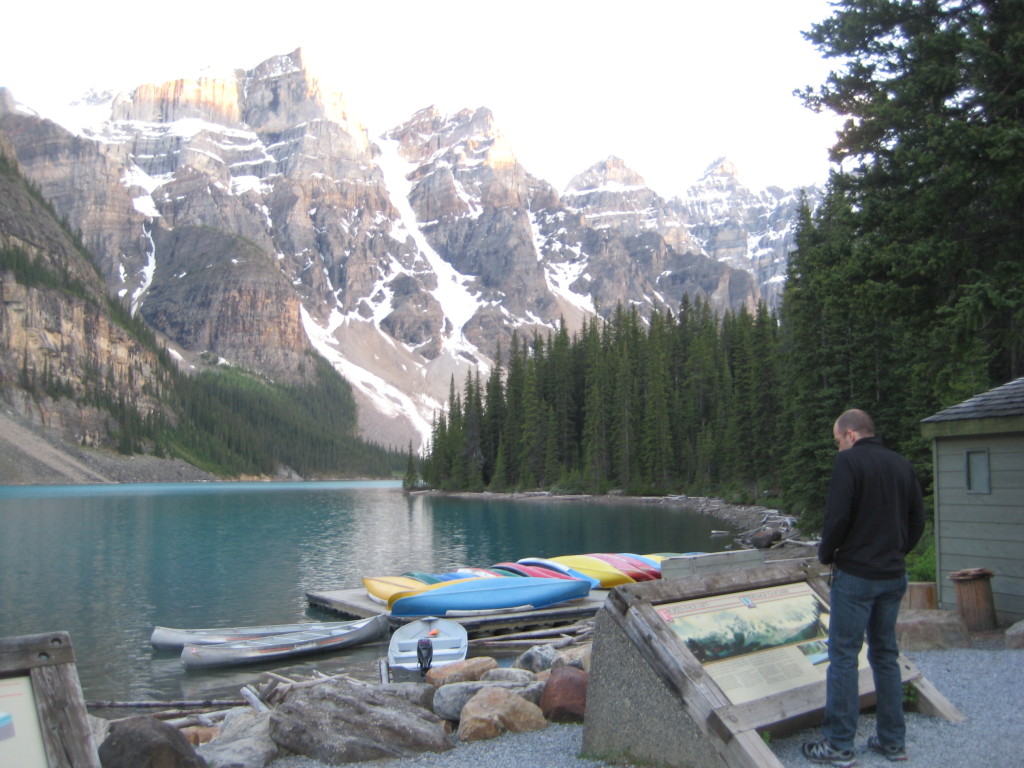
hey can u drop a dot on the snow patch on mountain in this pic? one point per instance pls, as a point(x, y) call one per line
point(456, 300)
point(386, 398)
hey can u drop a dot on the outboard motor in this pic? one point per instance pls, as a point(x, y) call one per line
point(424, 654)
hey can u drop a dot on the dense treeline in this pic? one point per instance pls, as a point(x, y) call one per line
point(233, 421)
point(905, 295)
point(646, 405)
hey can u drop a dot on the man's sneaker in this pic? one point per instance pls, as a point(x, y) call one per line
point(893, 754)
point(824, 752)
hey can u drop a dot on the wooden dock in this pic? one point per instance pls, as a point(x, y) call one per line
point(354, 602)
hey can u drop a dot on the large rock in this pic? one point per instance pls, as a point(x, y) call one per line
point(575, 656)
point(244, 742)
point(509, 675)
point(536, 659)
point(344, 721)
point(565, 695)
point(918, 630)
point(1015, 636)
point(420, 694)
point(460, 671)
point(450, 700)
point(145, 742)
point(494, 711)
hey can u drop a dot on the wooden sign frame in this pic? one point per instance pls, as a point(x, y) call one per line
point(48, 662)
point(732, 731)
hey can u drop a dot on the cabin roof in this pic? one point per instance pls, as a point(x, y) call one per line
point(1004, 401)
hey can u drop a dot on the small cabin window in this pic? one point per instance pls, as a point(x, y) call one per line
point(976, 467)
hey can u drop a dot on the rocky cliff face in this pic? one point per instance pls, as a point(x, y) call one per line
point(55, 328)
point(250, 216)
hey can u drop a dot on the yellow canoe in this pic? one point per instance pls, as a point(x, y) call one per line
point(380, 588)
point(608, 575)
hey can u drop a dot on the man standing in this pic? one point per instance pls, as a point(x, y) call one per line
point(874, 517)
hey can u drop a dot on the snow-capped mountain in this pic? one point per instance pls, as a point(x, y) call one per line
point(250, 217)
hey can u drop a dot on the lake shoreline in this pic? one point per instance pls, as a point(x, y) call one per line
point(35, 455)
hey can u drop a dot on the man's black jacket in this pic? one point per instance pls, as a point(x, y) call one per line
point(874, 515)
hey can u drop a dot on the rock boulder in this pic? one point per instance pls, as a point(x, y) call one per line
point(494, 711)
point(919, 630)
point(244, 742)
point(565, 695)
point(1015, 636)
point(343, 721)
point(145, 742)
point(460, 671)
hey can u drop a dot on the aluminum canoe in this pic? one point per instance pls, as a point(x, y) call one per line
point(171, 639)
point(273, 647)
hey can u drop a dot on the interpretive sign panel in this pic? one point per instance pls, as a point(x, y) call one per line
point(21, 741)
point(758, 642)
point(721, 657)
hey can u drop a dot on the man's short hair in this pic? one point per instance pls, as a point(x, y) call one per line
point(857, 421)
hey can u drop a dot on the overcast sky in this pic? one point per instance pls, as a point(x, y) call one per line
point(668, 87)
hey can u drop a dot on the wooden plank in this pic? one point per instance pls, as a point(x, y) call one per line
point(962, 513)
point(979, 549)
point(28, 651)
point(690, 565)
point(62, 717)
point(722, 582)
point(982, 529)
point(930, 701)
point(996, 425)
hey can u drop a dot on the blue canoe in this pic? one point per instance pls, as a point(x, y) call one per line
point(475, 596)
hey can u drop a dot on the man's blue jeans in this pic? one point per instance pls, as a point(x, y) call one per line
point(862, 606)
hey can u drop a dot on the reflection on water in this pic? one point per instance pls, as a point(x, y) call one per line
point(107, 563)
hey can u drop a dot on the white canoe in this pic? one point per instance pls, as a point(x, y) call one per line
point(257, 649)
point(448, 643)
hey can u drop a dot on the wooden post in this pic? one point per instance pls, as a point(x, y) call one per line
point(48, 661)
point(973, 588)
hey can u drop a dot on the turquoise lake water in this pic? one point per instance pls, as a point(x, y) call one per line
point(107, 563)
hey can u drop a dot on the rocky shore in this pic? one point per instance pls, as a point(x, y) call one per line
point(35, 455)
point(339, 719)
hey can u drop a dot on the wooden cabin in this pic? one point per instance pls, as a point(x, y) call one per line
point(978, 459)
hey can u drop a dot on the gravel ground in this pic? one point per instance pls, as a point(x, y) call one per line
point(986, 685)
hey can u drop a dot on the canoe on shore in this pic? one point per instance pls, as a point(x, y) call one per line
point(480, 596)
point(272, 647)
point(635, 569)
point(380, 588)
point(171, 639)
point(608, 575)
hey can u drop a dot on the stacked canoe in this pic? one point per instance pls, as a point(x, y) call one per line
point(528, 584)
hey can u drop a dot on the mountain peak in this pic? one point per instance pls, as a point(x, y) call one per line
point(276, 94)
point(612, 172)
point(722, 166)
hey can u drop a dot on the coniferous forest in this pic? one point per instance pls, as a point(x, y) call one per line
point(905, 295)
